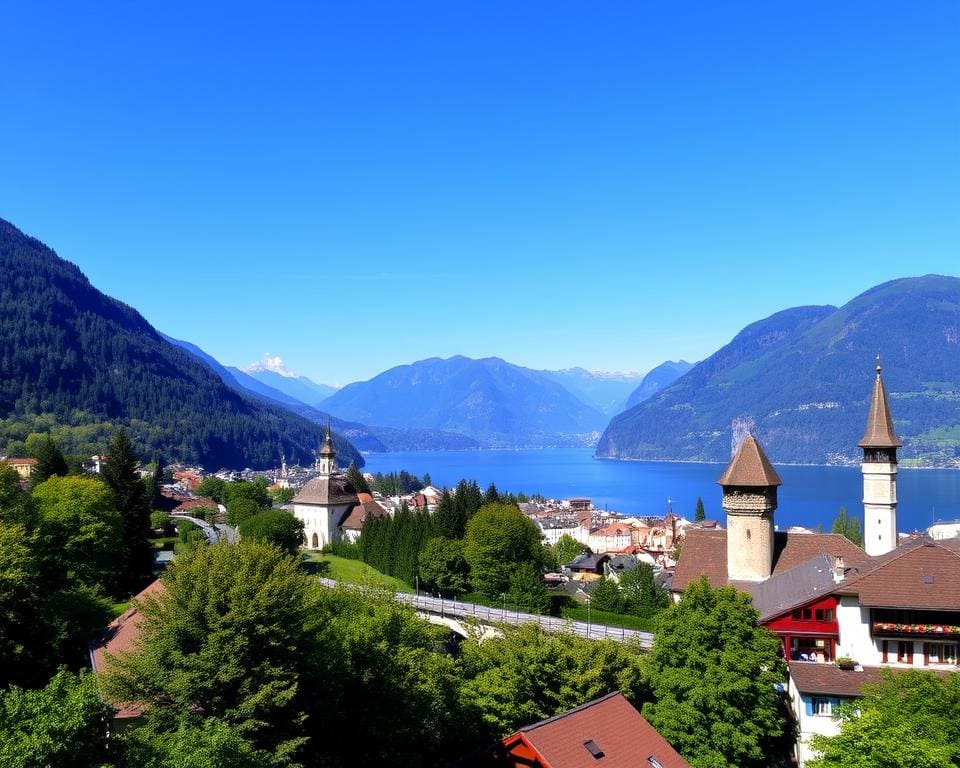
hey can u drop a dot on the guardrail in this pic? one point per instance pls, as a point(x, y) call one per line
point(455, 609)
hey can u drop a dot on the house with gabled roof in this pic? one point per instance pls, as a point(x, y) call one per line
point(604, 733)
point(894, 605)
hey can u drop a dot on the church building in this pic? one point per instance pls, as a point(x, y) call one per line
point(330, 508)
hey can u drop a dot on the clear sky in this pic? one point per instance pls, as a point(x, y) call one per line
point(357, 185)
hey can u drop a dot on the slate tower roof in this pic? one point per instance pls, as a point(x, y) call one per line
point(750, 468)
point(880, 432)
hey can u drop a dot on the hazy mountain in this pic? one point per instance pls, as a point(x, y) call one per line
point(364, 438)
point(72, 356)
point(802, 378)
point(659, 378)
point(298, 387)
point(490, 400)
point(607, 392)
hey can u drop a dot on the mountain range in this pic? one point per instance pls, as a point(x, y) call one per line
point(800, 380)
point(79, 363)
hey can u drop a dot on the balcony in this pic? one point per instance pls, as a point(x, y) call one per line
point(889, 628)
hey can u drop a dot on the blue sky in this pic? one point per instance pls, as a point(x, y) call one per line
point(357, 185)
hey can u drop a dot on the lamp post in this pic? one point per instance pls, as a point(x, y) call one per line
point(417, 581)
point(503, 612)
point(588, 617)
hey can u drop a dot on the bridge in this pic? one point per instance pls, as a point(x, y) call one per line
point(451, 614)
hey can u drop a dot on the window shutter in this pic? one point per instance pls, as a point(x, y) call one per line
point(834, 703)
point(884, 651)
point(809, 706)
point(926, 654)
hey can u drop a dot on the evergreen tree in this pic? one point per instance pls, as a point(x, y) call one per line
point(492, 496)
point(156, 482)
point(447, 519)
point(700, 515)
point(426, 479)
point(606, 596)
point(527, 590)
point(356, 479)
point(641, 594)
point(130, 497)
point(50, 462)
point(848, 526)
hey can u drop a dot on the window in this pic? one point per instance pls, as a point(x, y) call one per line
point(824, 614)
point(905, 651)
point(941, 653)
point(821, 706)
point(807, 614)
point(593, 749)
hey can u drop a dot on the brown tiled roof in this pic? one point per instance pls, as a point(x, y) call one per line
point(704, 552)
point(750, 467)
point(332, 489)
point(830, 680)
point(921, 573)
point(360, 513)
point(880, 432)
point(609, 725)
point(20, 462)
point(121, 635)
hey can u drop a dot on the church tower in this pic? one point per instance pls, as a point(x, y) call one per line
point(327, 457)
point(879, 443)
point(749, 498)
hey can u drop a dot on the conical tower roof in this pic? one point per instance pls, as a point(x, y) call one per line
point(880, 432)
point(750, 468)
point(327, 448)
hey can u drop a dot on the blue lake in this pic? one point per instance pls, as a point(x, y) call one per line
point(809, 496)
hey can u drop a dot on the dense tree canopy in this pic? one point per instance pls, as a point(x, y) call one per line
point(133, 503)
point(714, 674)
point(911, 719)
point(848, 525)
point(499, 539)
point(274, 526)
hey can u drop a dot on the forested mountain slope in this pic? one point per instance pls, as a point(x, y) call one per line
point(801, 379)
point(70, 354)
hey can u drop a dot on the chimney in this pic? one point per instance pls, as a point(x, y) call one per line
point(838, 569)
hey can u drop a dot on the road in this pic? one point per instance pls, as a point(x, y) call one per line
point(456, 609)
point(214, 532)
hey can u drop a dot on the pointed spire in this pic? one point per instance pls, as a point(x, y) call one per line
point(327, 449)
point(750, 468)
point(880, 432)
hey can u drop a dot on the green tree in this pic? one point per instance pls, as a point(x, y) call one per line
point(277, 527)
point(567, 549)
point(212, 487)
point(606, 596)
point(130, 500)
point(499, 538)
point(16, 505)
point(356, 479)
point(155, 485)
point(196, 742)
point(714, 674)
point(281, 496)
point(448, 519)
point(50, 462)
point(492, 495)
point(641, 594)
point(700, 514)
point(241, 509)
point(80, 529)
point(442, 566)
point(64, 724)
point(848, 526)
point(527, 590)
point(230, 638)
point(527, 675)
point(910, 719)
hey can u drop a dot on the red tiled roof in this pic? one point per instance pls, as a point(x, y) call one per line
point(121, 635)
point(20, 462)
point(360, 513)
point(704, 552)
point(922, 574)
point(609, 725)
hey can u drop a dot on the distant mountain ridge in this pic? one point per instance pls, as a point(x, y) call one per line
point(490, 400)
point(801, 378)
point(72, 355)
point(659, 378)
point(607, 392)
point(298, 387)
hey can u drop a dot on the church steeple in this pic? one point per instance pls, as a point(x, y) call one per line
point(750, 498)
point(879, 467)
point(327, 457)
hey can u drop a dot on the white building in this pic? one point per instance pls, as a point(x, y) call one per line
point(324, 503)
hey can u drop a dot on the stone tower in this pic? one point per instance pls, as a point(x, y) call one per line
point(327, 457)
point(749, 498)
point(879, 443)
